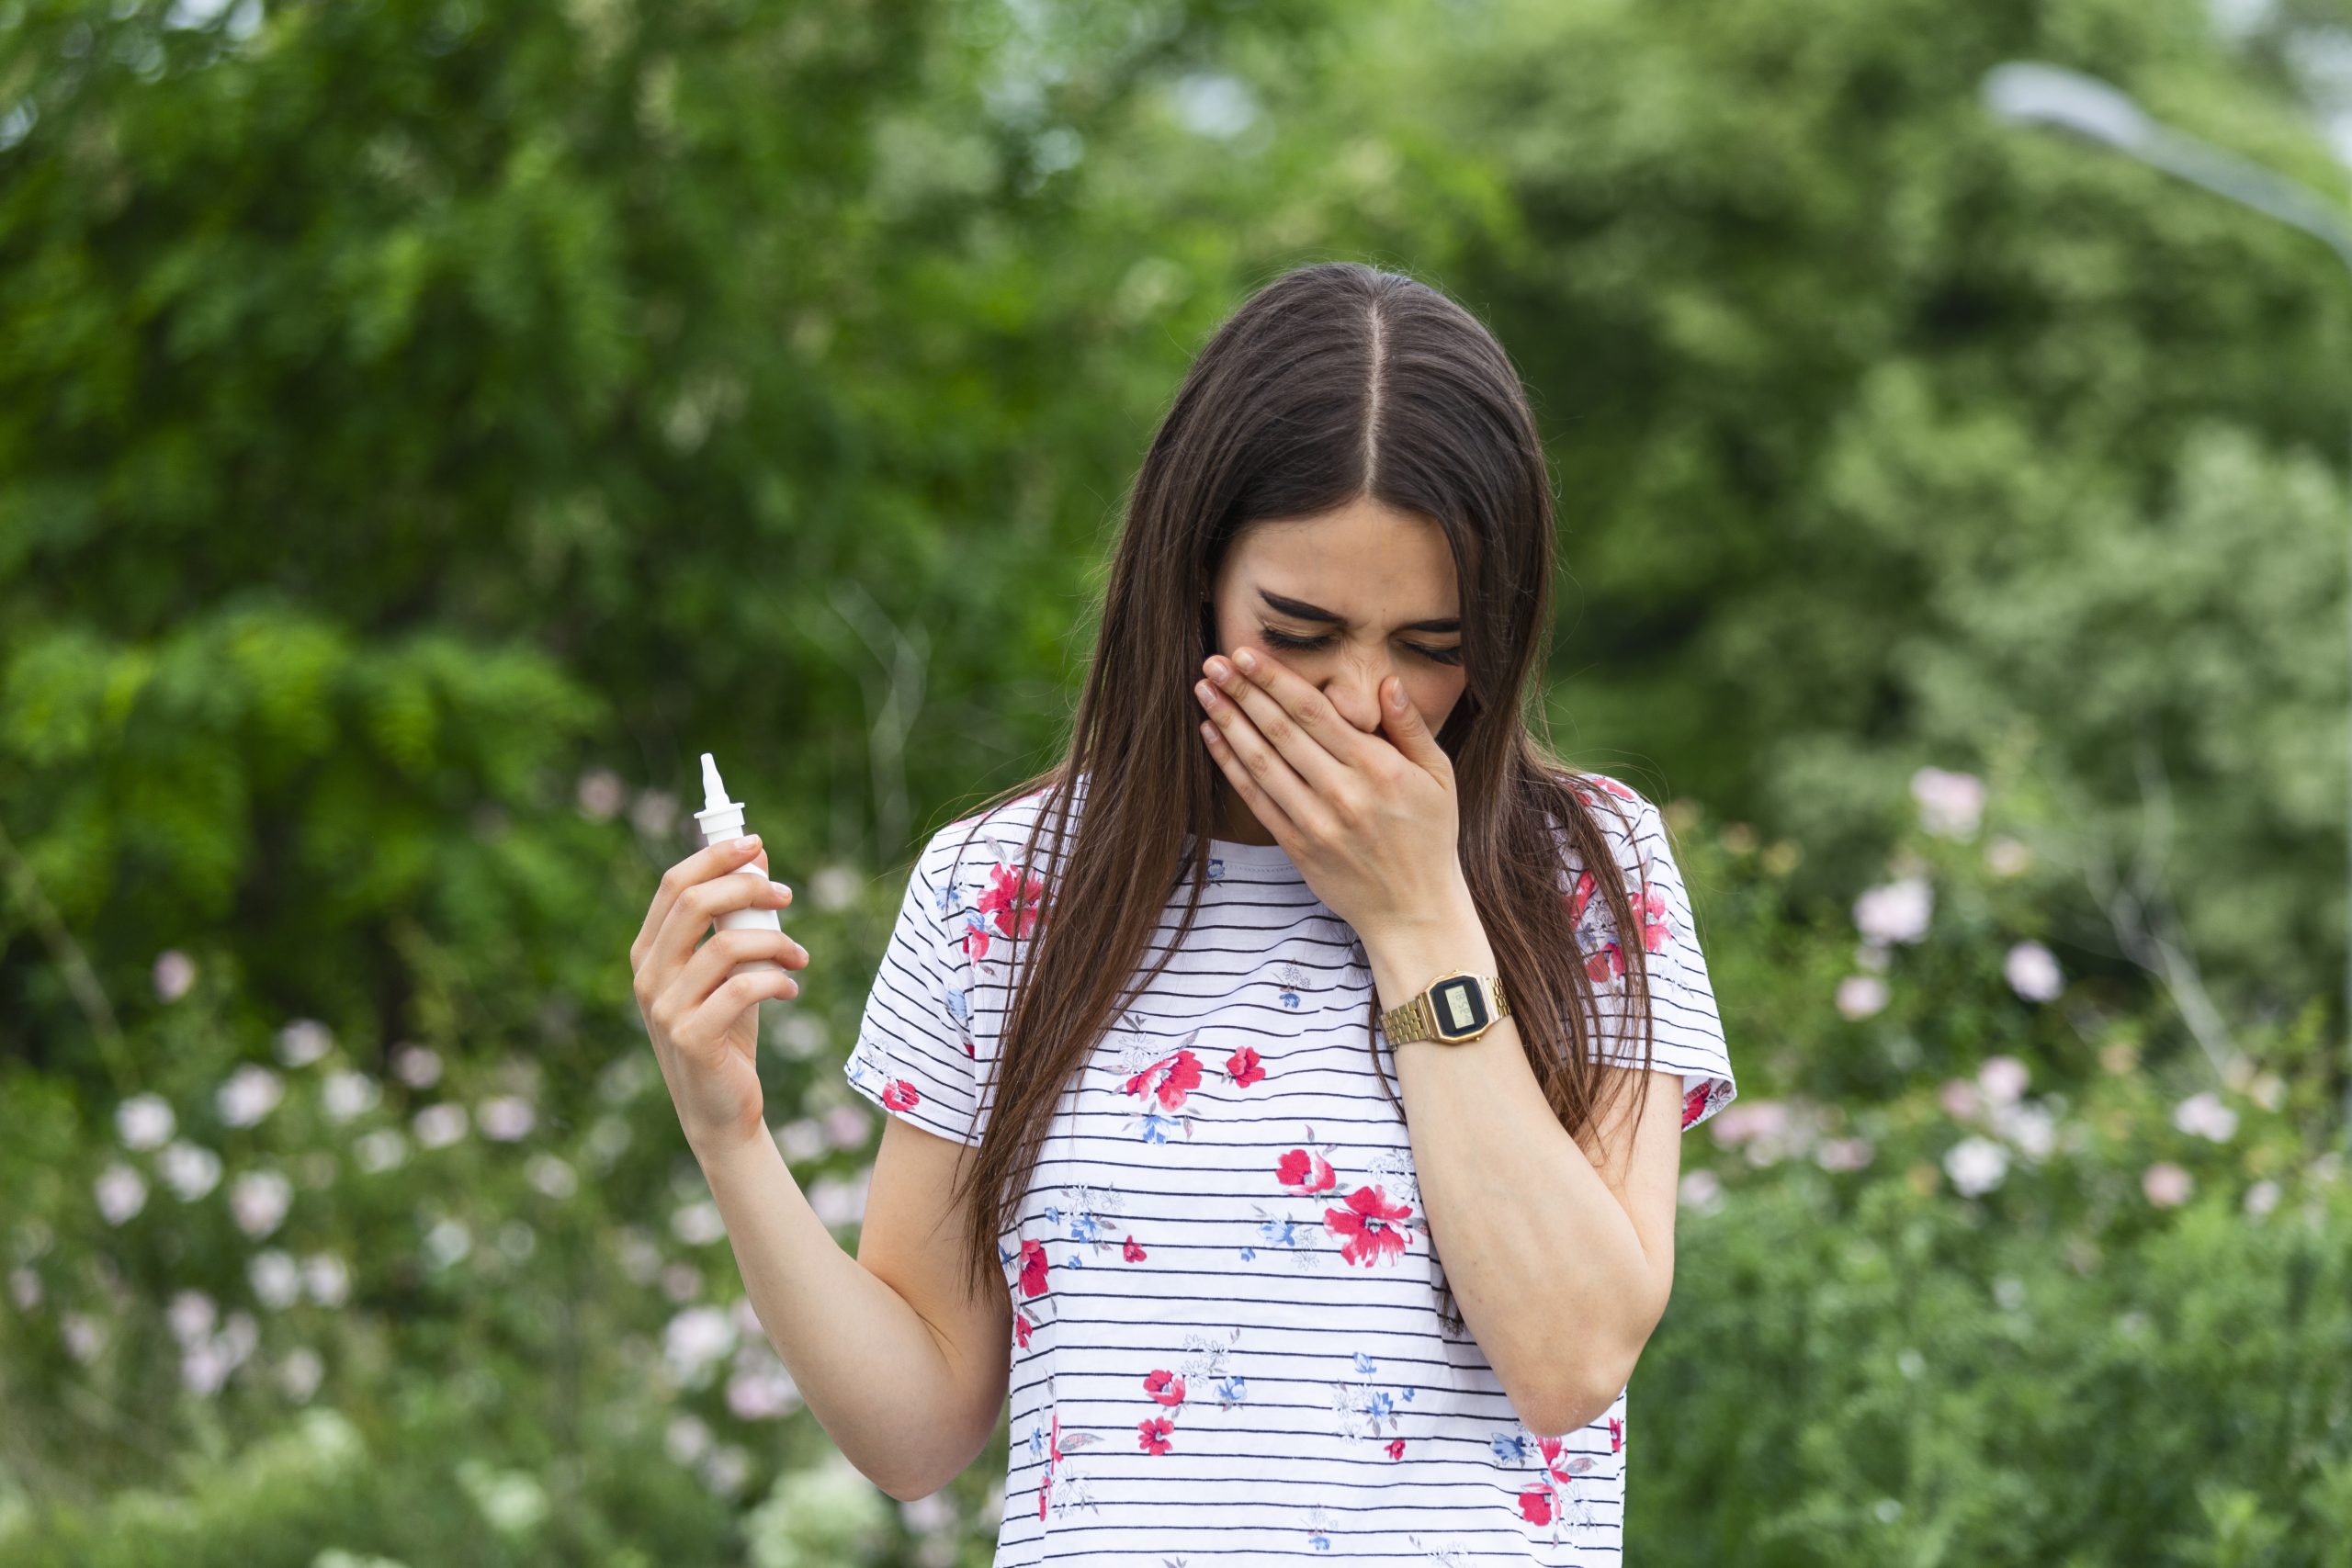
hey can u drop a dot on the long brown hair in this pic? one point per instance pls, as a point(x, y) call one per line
point(1333, 381)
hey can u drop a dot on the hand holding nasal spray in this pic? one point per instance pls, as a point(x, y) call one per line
point(723, 819)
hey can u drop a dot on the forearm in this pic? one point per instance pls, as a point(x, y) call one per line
point(867, 1366)
point(1545, 1261)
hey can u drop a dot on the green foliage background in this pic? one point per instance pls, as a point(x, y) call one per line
point(424, 427)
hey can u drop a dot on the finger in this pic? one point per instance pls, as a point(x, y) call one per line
point(712, 963)
point(695, 910)
point(705, 1032)
point(1295, 717)
point(708, 861)
point(1408, 732)
point(1262, 804)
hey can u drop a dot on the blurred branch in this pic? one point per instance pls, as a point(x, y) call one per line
point(894, 691)
point(81, 979)
point(2140, 910)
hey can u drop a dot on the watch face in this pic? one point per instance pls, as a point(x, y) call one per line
point(1460, 1004)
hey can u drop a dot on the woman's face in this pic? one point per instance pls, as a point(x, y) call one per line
point(1371, 590)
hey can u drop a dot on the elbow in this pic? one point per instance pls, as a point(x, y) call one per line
point(1558, 1413)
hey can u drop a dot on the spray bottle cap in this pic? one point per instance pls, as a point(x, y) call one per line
point(714, 794)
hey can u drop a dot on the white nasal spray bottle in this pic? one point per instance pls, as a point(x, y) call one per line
point(723, 819)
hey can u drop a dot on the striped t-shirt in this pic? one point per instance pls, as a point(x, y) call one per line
point(1232, 1342)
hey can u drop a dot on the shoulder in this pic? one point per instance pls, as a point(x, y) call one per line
point(1629, 822)
point(980, 849)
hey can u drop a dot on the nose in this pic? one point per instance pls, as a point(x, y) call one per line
point(1353, 688)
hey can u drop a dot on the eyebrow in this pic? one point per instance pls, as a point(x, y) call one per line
point(1306, 612)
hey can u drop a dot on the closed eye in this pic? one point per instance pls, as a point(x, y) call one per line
point(1283, 639)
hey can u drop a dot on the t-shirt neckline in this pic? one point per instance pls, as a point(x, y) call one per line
point(1255, 857)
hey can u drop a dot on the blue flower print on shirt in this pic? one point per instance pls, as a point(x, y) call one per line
point(1216, 868)
point(1231, 1392)
point(1365, 1363)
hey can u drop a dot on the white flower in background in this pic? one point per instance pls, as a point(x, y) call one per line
point(190, 1170)
point(2009, 1291)
point(1700, 1189)
point(687, 1439)
point(1896, 911)
point(834, 887)
point(2205, 1115)
point(800, 1140)
point(438, 1126)
point(259, 1201)
point(83, 1336)
point(191, 1315)
point(419, 1067)
point(252, 1092)
point(301, 1373)
point(552, 1176)
point(694, 1339)
point(1750, 1119)
point(206, 1365)
point(122, 1192)
point(348, 1094)
point(24, 1287)
point(609, 1138)
point(799, 1034)
point(698, 1224)
point(2167, 1185)
point(627, 1076)
point(144, 1121)
point(1860, 996)
point(1976, 1165)
point(2003, 1080)
point(506, 1119)
point(2033, 1129)
point(848, 1125)
point(840, 1203)
point(2005, 857)
point(276, 1279)
point(762, 1391)
point(654, 813)
point(601, 794)
point(641, 1257)
point(1960, 1098)
point(682, 1282)
point(304, 1041)
point(1950, 805)
point(2032, 972)
point(447, 1242)
point(517, 1240)
point(380, 1150)
point(175, 973)
point(2268, 1091)
point(1844, 1154)
point(2262, 1197)
point(929, 1516)
point(726, 1469)
point(327, 1277)
point(512, 1500)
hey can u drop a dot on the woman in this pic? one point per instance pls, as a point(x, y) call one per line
point(1275, 1110)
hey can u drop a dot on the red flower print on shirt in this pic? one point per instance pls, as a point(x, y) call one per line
point(1396, 1448)
point(1535, 1505)
point(1304, 1171)
point(1182, 1076)
point(1154, 1433)
point(1369, 1222)
point(1616, 1434)
point(1132, 1252)
point(1033, 1267)
point(1164, 1386)
point(1693, 1103)
point(899, 1095)
point(1014, 903)
point(1021, 1328)
point(1245, 1066)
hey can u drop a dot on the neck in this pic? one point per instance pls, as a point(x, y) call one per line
point(1234, 822)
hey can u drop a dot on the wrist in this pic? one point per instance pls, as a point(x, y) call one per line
point(1405, 956)
point(714, 1150)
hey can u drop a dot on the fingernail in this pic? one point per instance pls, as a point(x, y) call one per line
point(1244, 659)
point(747, 842)
point(781, 890)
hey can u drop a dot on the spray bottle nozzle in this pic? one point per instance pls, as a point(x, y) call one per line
point(714, 794)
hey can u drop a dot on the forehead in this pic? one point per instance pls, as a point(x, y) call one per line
point(1365, 562)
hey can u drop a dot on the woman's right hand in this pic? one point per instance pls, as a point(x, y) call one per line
point(705, 1025)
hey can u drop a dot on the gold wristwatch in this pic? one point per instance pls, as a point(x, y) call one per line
point(1451, 1009)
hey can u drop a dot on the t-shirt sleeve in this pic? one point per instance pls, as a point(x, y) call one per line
point(915, 1055)
point(1688, 1030)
